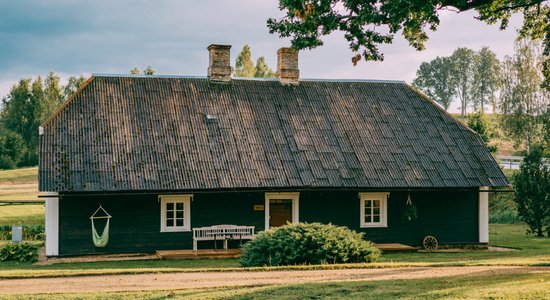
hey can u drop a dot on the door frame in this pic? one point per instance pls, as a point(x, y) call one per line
point(294, 196)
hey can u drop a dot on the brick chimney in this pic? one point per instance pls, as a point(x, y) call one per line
point(219, 67)
point(287, 66)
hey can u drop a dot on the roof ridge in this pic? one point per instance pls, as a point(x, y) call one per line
point(250, 78)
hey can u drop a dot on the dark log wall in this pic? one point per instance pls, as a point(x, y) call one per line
point(135, 227)
point(452, 217)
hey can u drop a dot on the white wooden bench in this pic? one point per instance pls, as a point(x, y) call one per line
point(222, 233)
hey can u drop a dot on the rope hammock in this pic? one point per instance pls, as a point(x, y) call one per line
point(103, 239)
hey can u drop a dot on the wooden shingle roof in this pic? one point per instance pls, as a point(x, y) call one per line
point(126, 133)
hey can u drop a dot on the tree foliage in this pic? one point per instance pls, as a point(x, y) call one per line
point(244, 66)
point(469, 76)
point(28, 104)
point(262, 70)
point(463, 70)
point(486, 80)
point(12, 149)
point(523, 103)
point(435, 79)
point(21, 114)
point(532, 184)
point(367, 24)
point(479, 123)
point(73, 84)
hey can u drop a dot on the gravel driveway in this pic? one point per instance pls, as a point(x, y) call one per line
point(173, 281)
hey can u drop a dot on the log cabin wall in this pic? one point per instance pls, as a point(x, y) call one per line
point(135, 226)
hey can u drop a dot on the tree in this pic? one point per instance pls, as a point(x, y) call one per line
point(436, 80)
point(463, 60)
point(523, 102)
point(29, 104)
point(52, 98)
point(479, 123)
point(12, 149)
point(73, 84)
point(532, 184)
point(21, 114)
point(244, 66)
point(367, 24)
point(262, 70)
point(486, 80)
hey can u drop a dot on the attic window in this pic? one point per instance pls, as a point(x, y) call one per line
point(211, 117)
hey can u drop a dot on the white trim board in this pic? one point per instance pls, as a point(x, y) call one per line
point(295, 197)
point(52, 224)
point(483, 220)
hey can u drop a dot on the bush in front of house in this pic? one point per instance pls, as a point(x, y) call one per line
point(308, 243)
point(24, 252)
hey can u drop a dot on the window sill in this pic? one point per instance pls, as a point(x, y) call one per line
point(175, 230)
point(374, 226)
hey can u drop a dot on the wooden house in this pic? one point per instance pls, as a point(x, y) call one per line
point(166, 154)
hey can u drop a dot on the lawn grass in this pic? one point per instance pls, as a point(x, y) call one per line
point(19, 184)
point(534, 252)
point(15, 214)
point(482, 286)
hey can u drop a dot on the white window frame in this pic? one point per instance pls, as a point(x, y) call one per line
point(383, 197)
point(186, 200)
point(294, 196)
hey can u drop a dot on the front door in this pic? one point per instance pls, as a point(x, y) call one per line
point(280, 211)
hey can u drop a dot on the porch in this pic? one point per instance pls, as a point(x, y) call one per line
point(198, 254)
point(235, 253)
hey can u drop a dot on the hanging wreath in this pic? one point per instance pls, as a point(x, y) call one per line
point(409, 211)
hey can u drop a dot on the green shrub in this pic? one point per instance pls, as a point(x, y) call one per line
point(30, 232)
point(24, 252)
point(308, 243)
point(5, 232)
point(502, 208)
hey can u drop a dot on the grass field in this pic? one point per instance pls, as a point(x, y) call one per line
point(487, 286)
point(531, 285)
point(19, 184)
point(16, 214)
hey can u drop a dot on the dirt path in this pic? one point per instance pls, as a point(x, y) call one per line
point(173, 281)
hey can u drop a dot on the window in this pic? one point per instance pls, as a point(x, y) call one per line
point(374, 209)
point(175, 214)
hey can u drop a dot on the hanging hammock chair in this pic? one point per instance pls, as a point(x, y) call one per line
point(103, 239)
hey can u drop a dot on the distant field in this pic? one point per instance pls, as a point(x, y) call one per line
point(19, 184)
point(15, 214)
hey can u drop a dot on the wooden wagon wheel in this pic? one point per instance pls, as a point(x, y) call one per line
point(430, 243)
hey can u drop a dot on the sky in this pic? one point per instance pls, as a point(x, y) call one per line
point(84, 37)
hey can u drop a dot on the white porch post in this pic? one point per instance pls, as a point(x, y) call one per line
point(52, 223)
point(483, 214)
